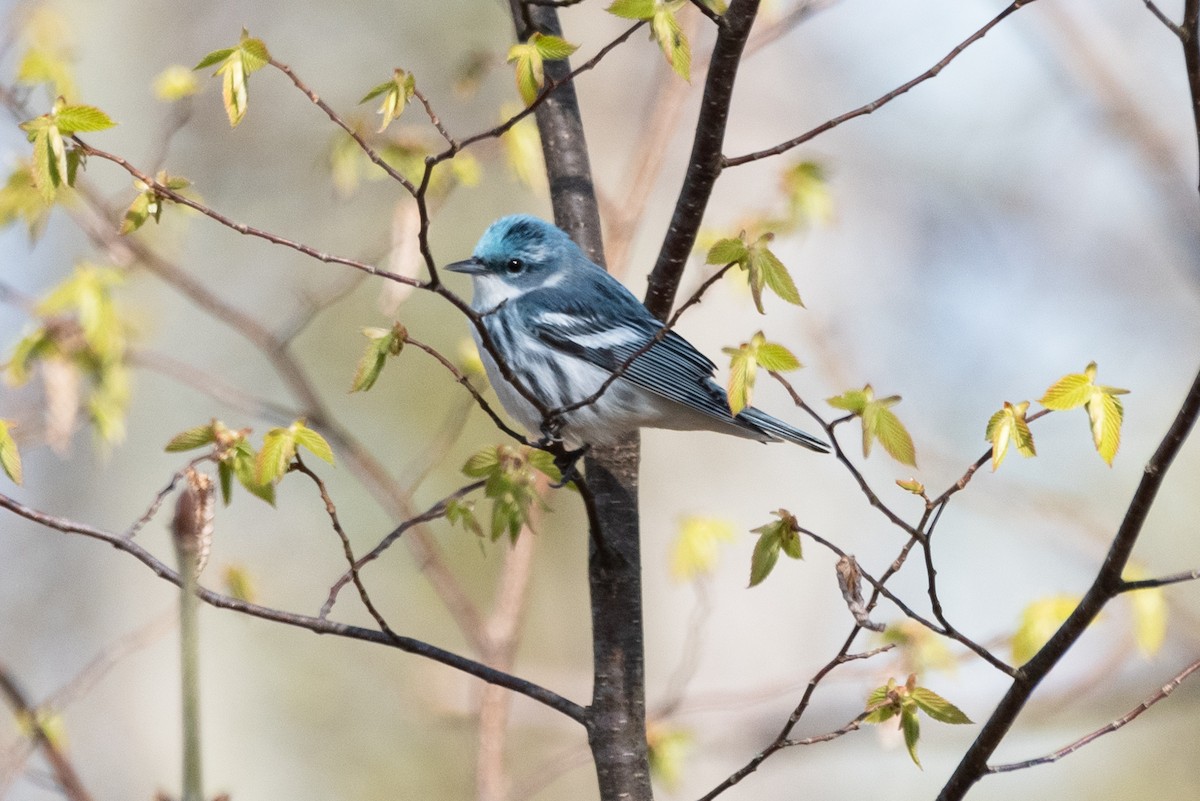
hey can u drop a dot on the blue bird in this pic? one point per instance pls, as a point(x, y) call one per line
point(564, 326)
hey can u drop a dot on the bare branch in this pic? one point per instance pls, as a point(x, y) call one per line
point(705, 163)
point(1161, 581)
point(316, 625)
point(432, 513)
point(1128, 717)
point(881, 101)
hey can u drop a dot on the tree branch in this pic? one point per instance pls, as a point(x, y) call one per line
point(705, 163)
point(1106, 585)
point(314, 624)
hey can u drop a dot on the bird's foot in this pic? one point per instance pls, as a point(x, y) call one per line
point(567, 463)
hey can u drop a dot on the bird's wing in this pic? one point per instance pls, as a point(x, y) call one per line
point(612, 330)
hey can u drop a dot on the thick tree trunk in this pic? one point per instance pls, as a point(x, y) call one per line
point(617, 715)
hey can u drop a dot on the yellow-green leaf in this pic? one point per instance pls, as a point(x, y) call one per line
point(728, 251)
point(523, 152)
point(769, 270)
point(10, 456)
point(1009, 426)
point(81, 119)
point(278, 448)
point(313, 442)
point(1106, 414)
point(777, 358)
point(938, 707)
point(766, 554)
point(671, 39)
point(193, 438)
point(911, 485)
point(668, 747)
point(911, 726)
point(175, 83)
point(239, 584)
point(552, 48)
point(529, 70)
point(1039, 621)
point(1070, 391)
point(1149, 608)
point(632, 9)
point(695, 550)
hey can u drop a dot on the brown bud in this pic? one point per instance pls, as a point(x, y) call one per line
point(192, 527)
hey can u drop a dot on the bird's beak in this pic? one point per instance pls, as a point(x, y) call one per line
point(471, 266)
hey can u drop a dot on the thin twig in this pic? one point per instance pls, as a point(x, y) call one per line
point(432, 513)
point(881, 101)
point(347, 550)
point(1161, 581)
point(316, 625)
point(1165, 20)
point(1128, 717)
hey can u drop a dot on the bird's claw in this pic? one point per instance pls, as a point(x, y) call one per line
point(567, 463)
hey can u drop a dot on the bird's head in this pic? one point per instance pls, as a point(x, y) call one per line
point(517, 254)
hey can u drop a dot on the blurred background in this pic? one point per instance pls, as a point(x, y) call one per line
point(1031, 209)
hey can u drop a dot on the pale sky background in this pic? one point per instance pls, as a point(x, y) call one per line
point(1031, 209)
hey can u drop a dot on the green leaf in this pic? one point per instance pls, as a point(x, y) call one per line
point(244, 462)
point(50, 66)
point(462, 513)
point(694, 553)
point(777, 358)
point(278, 448)
point(543, 462)
point(234, 89)
point(671, 39)
point(20, 199)
point(766, 554)
point(381, 343)
point(397, 93)
point(313, 442)
point(885, 703)
point(238, 583)
point(742, 369)
point(193, 438)
point(225, 474)
point(214, 57)
point(938, 707)
point(10, 456)
point(81, 119)
point(254, 53)
point(632, 9)
point(891, 433)
point(552, 48)
point(912, 732)
point(482, 463)
point(879, 423)
point(808, 194)
point(728, 251)
point(529, 70)
point(138, 212)
point(1039, 621)
point(911, 485)
point(770, 271)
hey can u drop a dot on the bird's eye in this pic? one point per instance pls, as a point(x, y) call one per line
point(514, 266)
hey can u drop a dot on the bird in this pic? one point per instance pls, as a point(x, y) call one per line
point(563, 327)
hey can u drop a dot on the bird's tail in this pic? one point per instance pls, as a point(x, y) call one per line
point(775, 427)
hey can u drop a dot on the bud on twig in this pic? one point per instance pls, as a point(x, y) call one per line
point(192, 527)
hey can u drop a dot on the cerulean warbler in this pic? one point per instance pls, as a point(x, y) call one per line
point(563, 326)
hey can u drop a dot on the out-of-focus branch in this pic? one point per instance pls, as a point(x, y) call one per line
point(64, 772)
point(316, 625)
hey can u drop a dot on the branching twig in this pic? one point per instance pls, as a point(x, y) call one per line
point(1129, 716)
point(317, 625)
point(432, 513)
point(1161, 581)
point(881, 101)
point(64, 772)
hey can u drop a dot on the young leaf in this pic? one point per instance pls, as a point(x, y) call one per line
point(1105, 413)
point(278, 449)
point(938, 707)
point(766, 264)
point(911, 485)
point(879, 423)
point(743, 367)
point(193, 438)
point(313, 442)
point(884, 702)
point(81, 119)
point(728, 251)
point(552, 48)
point(462, 513)
point(236, 65)
point(482, 462)
point(778, 535)
point(671, 39)
point(381, 343)
point(911, 727)
point(766, 554)
point(10, 457)
point(668, 748)
point(695, 551)
point(396, 96)
point(1009, 425)
point(632, 9)
point(238, 583)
